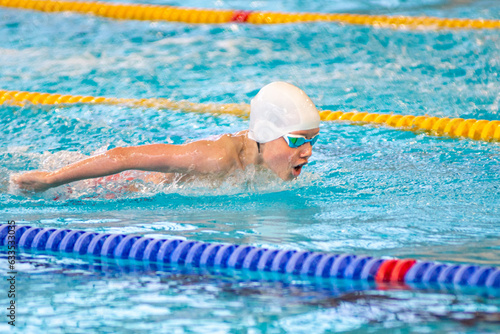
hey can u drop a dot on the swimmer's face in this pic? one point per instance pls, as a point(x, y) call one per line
point(285, 161)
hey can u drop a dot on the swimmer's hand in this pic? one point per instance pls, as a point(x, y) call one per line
point(32, 181)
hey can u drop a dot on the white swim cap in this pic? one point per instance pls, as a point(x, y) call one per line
point(280, 108)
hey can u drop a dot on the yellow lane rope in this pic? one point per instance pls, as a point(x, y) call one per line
point(18, 98)
point(216, 16)
point(451, 127)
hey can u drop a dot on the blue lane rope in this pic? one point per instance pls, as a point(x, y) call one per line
point(201, 254)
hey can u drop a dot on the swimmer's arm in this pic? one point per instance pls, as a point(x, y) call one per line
point(201, 157)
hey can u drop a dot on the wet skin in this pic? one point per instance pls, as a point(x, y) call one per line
point(284, 161)
point(217, 157)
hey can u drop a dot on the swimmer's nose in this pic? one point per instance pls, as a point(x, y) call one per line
point(306, 151)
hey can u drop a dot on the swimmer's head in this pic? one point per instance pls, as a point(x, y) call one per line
point(278, 109)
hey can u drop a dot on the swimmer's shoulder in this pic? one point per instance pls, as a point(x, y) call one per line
point(233, 146)
point(232, 141)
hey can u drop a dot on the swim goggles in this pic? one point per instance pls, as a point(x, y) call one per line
point(295, 141)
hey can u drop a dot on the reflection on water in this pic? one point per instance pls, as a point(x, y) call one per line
point(85, 288)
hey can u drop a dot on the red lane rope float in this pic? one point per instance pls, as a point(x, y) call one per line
point(384, 273)
point(394, 270)
point(400, 269)
point(452, 127)
point(217, 16)
point(240, 16)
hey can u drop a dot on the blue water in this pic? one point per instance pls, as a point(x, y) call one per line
point(368, 190)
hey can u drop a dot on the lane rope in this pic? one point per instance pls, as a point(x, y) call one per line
point(22, 98)
point(204, 254)
point(219, 16)
point(474, 129)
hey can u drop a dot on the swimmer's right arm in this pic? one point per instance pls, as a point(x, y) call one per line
point(201, 157)
point(95, 166)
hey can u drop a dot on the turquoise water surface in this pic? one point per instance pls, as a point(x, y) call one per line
point(368, 190)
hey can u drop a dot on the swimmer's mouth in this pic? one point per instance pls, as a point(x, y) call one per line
point(297, 169)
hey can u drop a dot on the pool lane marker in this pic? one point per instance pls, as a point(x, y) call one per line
point(240, 16)
point(218, 16)
point(451, 127)
point(21, 98)
point(397, 272)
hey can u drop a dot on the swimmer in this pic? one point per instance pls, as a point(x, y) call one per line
point(284, 125)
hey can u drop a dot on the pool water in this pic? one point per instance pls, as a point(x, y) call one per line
point(367, 191)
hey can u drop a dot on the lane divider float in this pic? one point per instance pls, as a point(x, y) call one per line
point(204, 254)
point(451, 127)
point(218, 16)
point(21, 98)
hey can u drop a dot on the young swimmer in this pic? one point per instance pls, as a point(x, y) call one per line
point(284, 124)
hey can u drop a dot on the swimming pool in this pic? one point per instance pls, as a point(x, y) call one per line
point(369, 190)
